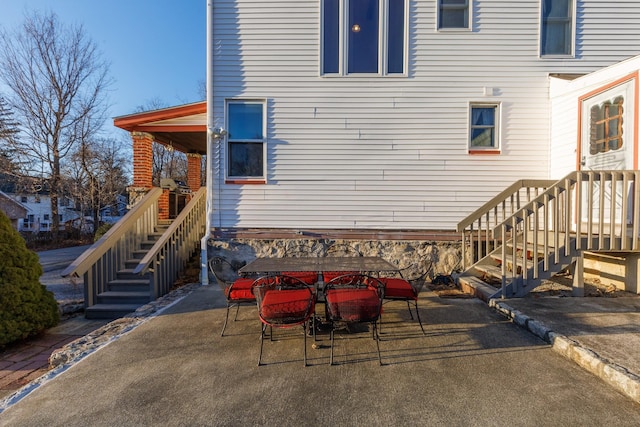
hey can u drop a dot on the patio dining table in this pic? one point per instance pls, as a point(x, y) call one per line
point(318, 265)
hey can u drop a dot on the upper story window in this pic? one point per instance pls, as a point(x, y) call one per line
point(484, 128)
point(453, 14)
point(363, 37)
point(246, 148)
point(556, 32)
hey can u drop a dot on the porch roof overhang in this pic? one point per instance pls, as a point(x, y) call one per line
point(183, 127)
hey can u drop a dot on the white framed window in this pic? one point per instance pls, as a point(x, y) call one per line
point(454, 14)
point(246, 142)
point(363, 37)
point(484, 127)
point(557, 27)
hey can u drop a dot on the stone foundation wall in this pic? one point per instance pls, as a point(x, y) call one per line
point(432, 257)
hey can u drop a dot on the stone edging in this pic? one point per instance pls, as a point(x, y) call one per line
point(65, 357)
point(615, 375)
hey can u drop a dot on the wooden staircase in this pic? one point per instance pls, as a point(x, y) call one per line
point(139, 259)
point(128, 291)
point(538, 228)
point(484, 278)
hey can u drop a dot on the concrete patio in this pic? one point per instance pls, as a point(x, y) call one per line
point(473, 367)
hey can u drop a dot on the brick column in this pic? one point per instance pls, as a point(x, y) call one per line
point(163, 205)
point(142, 160)
point(142, 166)
point(194, 171)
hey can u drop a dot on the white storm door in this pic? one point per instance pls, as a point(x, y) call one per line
point(607, 142)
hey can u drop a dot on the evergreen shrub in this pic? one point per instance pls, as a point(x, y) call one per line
point(26, 306)
point(102, 230)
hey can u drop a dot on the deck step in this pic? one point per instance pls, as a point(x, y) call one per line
point(130, 264)
point(129, 285)
point(109, 311)
point(120, 297)
point(490, 270)
point(147, 244)
point(138, 254)
point(476, 286)
point(127, 274)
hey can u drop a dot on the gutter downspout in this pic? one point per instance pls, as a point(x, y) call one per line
point(204, 273)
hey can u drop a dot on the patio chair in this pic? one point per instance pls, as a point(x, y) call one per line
point(405, 289)
point(283, 302)
point(340, 250)
point(308, 277)
point(237, 290)
point(352, 299)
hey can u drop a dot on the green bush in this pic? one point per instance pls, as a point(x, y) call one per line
point(26, 306)
point(102, 230)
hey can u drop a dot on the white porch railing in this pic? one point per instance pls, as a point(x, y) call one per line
point(477, 228)
point(584, 211)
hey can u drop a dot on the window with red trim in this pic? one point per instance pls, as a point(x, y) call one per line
point(246, 149)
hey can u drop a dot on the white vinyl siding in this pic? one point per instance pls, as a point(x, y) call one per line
point(386, 153)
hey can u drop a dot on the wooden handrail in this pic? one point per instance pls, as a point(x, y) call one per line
point(112, 237)
point(171, 252)
point(476, 229)
point(502, 197)
point(170, 233)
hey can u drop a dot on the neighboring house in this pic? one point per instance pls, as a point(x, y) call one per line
point(38, 217)
point(116, 211)
point(33, 194)
point(14, 210)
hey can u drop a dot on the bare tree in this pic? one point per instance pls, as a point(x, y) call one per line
point(8, 132)
point(58, 82)
point(97, 174)
point(8, 125)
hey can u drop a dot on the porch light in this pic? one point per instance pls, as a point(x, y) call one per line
point(217, 133)
point(355, 28)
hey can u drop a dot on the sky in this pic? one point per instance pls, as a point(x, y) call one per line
point(156, 48)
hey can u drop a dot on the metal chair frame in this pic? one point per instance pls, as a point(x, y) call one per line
point(353, 282)
point(416, 283)
point(226, 285)
point(283, 283)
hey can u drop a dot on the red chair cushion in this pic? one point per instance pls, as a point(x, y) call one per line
point(240, 290)
point(327, 276)
point(308, 277)
point(397, 288)
point(353, 305)
point(294, 305)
